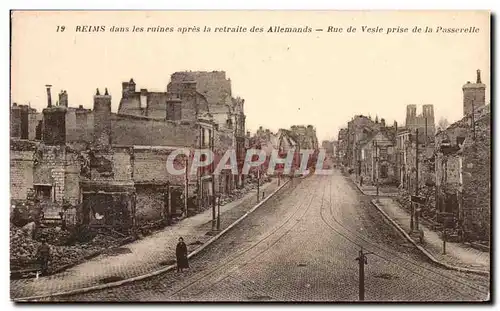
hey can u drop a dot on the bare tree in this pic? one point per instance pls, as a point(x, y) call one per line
point(442, 124)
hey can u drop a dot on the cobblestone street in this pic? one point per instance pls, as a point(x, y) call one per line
point(301, 245)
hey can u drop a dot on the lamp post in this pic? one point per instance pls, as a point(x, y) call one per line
point(376, 166)
point(417, 185)
point(218, 212)
point(377, 152)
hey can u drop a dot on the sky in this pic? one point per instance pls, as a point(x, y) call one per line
point(318, 78)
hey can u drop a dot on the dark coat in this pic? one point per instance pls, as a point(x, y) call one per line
point(181, 253)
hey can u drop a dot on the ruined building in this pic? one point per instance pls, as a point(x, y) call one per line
point(342, 141)
point(226, 110)
point(463, 166)
point(305, 136)
point(25, 122)
point(474, 94)
point(163, 105)
point(108, 169)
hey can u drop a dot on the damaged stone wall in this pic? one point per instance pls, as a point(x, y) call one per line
point(150, 167)
point(474, 173)
point(130, 131)
point(212, 84)
point(150, 203)
point(49, 166)
point(110, 165)
point(477, 181)
point(151, 177)
point(21, 168)
point(79, 125)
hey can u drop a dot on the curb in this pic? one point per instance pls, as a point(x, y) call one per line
point(157, 272)
point(424, 251)
point(388, 195)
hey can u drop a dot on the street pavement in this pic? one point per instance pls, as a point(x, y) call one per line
point(301, 245)
point(456, 254)
point(141, 257)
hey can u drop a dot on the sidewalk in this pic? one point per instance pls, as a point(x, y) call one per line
point(140, 257)
point(458, 256)
point(386, 191)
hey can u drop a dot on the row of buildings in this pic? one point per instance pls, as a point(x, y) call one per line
point(450, 166)
point(92, 162)
point(295, 139)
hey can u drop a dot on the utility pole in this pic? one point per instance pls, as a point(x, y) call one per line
point(258, 184)
point(473, 121)
point(199, 184)
point(416, 178)
point(362, 262)
point(376, 161)
point(444, 239)
point(218, 213)
point(169, 205)
point(186, 187)
point(213, 181)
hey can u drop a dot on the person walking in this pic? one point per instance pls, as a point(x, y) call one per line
point(181, 254)
point(43, 257)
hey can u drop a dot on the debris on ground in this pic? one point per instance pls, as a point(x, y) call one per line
point(24, 248)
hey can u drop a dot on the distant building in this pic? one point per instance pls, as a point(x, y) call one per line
point(342, 142)
point(378, 157)
point(474, 94)
point(424, 122)
point(328, 146)
point(305, 136)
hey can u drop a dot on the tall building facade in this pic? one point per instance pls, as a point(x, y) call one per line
point(474, 94)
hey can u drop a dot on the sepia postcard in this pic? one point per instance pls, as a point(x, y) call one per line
point(250, 156)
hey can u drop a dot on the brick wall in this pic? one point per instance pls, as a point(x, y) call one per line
point(102, 120)
point(157, 105)
point(213, 85)
point(477, 180)
point(54, 125)
point(129, 131)
point(72, 184)
point(150, 166)
point(473, 94)
point(111, 165)
point(131, 105)
point(15, 122)
point(21, 173)
point(149, 203)
point(50, 168)
point(79, 125)
point(33, 119)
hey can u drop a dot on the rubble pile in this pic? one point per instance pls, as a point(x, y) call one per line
point(23, 248)
point(428, 211)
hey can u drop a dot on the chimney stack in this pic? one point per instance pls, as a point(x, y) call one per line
point(478, 79)
point(49, 97)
